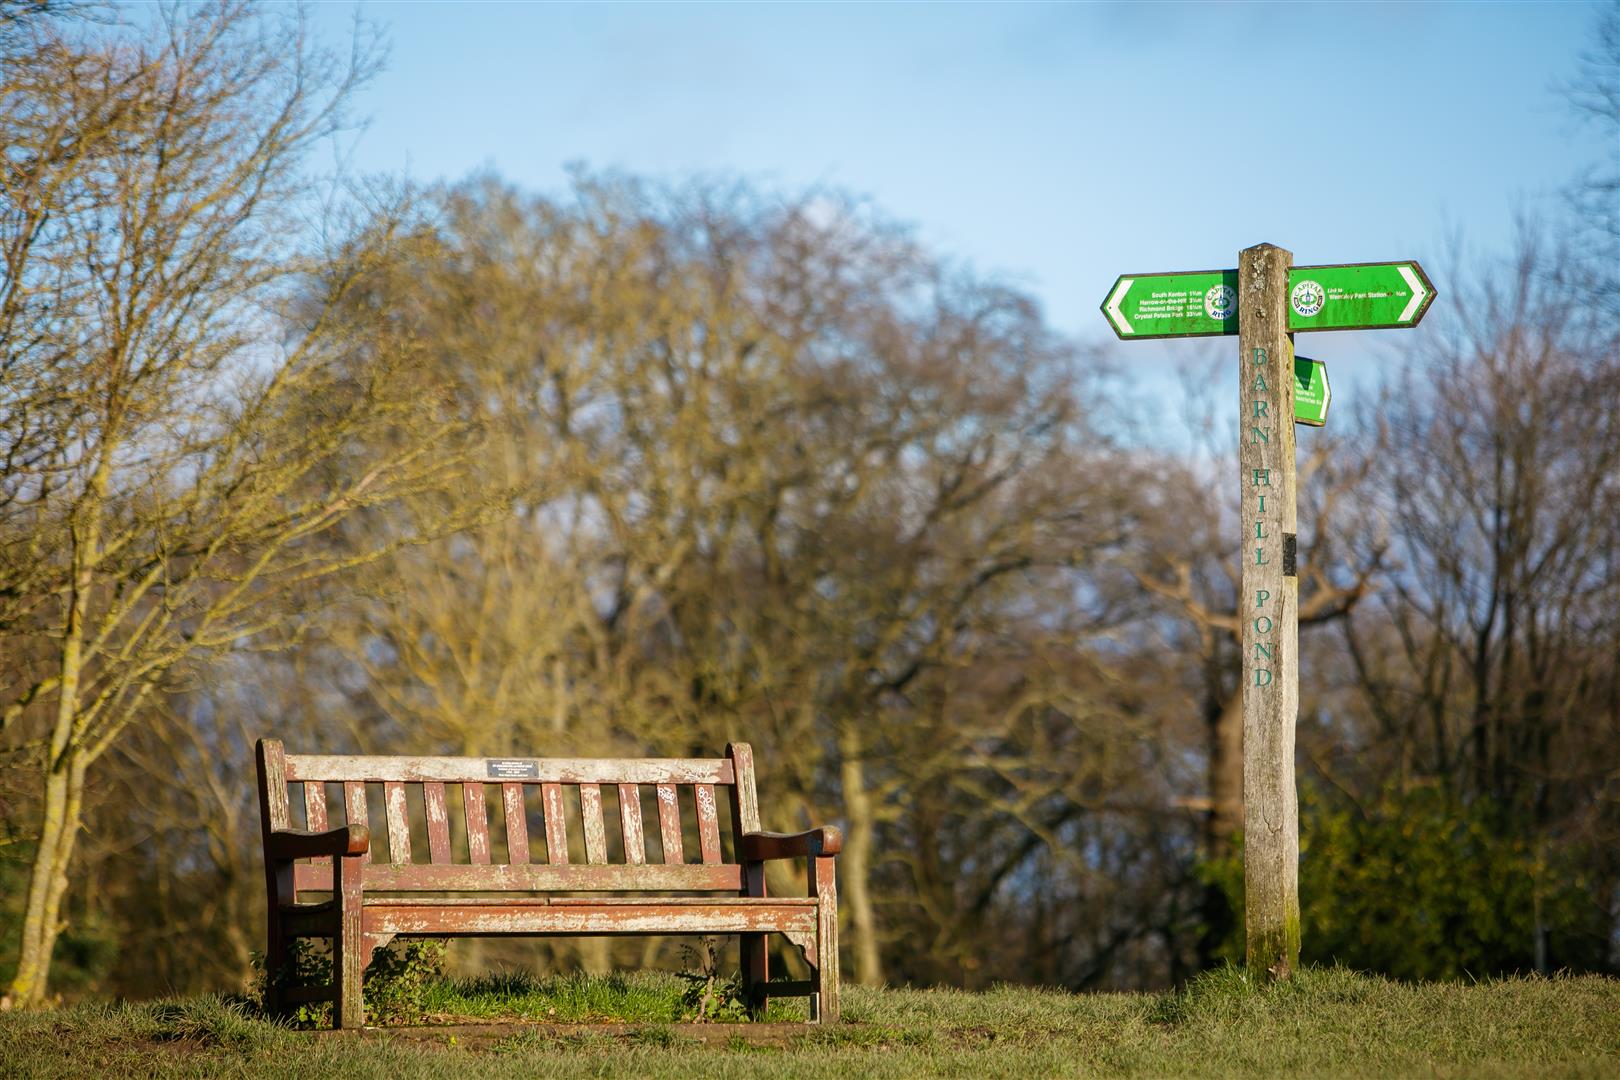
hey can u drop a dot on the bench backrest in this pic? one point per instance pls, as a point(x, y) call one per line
point(519, 824)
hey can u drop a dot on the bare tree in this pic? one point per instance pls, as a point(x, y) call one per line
point(1593, 269)
point(779, 470)
point(171, 414)
point(1488, 664)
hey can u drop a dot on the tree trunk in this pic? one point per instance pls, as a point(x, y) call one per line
point(1224, 820)
point(855, 865)
point(48, 881)
point(60, 816)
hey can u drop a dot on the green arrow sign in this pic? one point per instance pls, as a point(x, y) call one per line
point(1194, 304)
point(1357, 296)
point(1354, 296)
point(1311, 392)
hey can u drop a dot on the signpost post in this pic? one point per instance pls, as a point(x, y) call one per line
point(1268, 612)
point(1264, 302)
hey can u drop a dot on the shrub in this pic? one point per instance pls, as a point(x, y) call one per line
point(395, 987)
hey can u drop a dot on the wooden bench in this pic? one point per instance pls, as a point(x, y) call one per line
point(371, 899)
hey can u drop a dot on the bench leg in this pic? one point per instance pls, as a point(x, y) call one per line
point(824, 1003)
point(349, 952)
point(756, 964)
point(755, 973)
point(275, 963)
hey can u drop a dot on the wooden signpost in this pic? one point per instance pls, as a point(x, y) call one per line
point(1268, 612)
point(1264, 301)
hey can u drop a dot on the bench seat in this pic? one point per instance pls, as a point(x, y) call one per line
point(439, 916)
point(327, 882)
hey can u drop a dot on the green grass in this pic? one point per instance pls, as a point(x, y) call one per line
point(1323, 1023)
point(641, 998)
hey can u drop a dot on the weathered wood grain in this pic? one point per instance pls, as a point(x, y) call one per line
point(517, 824)
point(315, 806)
point(280, 878)
point(309, 877)
point(274, 812)
point(824, 1003)
point(556, 824)
point(645, 918)
point(1270, 612)
point(354, 807)
point(669, 824)
point(521, 900)
point(744, 801)
point(337, 767)
point(477, 811)
point(756, 963)
point(674, 901)
point(635, 841)
point(708, 823)
point(438, 822)
point(399, 823)
point(590, 812)
point(462, 877)
point(348, 944)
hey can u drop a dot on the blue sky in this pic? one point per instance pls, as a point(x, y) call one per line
point(1054, 145)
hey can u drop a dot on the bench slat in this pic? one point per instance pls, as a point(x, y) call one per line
point(708, 823)
point(341, 767)
point(472, 802)
point(744, 803)
point(669, 825)
point(302, 878)
point(354, 806)
point(635, 842)
point(399, 830)
point(517, 825)
point(459, 877)
point(438, 822)
point(274, 805)
point(590, 812)
point(315, 805)
point(556, 824)
point(649, 918)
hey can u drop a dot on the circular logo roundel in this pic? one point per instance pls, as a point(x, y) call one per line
point(1220, 302)
point(1307, 299)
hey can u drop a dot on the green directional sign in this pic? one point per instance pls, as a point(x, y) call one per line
point(1200, 303)
point(1195, 304)
point(1357, 296)
point(1311, 392)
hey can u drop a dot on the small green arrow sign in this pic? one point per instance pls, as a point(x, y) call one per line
point(1311, 392)
point(1200, 303)
point(1357, 296)
point(1194, 304)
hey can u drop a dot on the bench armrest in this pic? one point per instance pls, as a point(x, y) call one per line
point(302, 844)
point(828, 840)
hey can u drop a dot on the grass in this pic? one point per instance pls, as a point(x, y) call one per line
point(640, 998)
point(1323, 1023)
